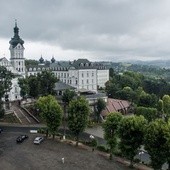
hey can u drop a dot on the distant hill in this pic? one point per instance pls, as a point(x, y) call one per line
point(159, 63)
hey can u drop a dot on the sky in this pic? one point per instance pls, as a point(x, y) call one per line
point(99, 30)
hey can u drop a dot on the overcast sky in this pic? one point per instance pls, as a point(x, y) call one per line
point(94, 29)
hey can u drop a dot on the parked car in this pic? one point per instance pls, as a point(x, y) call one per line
point(38, 140)
point(21, 138)
point(1, 130)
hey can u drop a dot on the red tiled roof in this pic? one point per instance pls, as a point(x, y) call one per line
point(115, 105)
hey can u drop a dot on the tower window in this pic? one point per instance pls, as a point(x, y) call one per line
point(19, 63)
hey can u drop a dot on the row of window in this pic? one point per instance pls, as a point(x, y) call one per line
point(4, 63)
point(62, 75)
point(20, 69)
point(87, 74)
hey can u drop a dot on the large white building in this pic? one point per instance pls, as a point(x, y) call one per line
point(81, 74)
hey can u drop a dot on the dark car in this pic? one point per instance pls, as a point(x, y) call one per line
point(1, 130)
point(21, 138)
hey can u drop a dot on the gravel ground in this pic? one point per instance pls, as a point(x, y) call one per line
point(48, 155)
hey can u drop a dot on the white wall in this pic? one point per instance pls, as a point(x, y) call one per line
point(102, 77)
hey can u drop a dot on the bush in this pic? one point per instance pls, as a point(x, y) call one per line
point(118, 153)
point(102, 148)
point(42, 130)
point(93, 143)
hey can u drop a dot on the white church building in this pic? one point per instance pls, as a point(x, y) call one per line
point(81, 74)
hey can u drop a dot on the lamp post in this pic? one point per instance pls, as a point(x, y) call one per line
point(140, 155)
point(92, 138)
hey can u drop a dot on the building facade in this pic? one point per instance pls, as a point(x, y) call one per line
point(16, 64)
point(81, 74)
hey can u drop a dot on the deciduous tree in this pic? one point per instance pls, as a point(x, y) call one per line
point(156, 142)
point(50, 111)
point(78, 114)
point(47, 82)
point(66, 98)
point(131, 133)
point(149, 113)
point(110, 127)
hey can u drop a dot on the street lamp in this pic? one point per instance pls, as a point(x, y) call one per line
point(92, 142)
point(140, 155)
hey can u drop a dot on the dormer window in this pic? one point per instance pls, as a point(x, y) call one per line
point(81, 64)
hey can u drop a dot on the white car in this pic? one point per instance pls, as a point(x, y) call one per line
point(38, 140)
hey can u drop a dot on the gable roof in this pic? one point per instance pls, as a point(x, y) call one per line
point(115, 105)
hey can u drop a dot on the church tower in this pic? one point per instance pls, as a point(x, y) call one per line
point(17, 52)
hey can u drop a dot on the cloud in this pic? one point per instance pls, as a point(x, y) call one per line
point(99, 29)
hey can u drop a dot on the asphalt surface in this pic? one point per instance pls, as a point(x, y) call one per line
point(47, 155)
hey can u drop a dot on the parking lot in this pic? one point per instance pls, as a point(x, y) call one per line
point(48, 155)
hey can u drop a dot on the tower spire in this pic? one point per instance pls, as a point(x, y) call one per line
point(15, 22)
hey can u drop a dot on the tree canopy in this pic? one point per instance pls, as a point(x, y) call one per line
point(78, 114)
point(5, 81)
point(156, 141)
point(50, 111)
point(110, 127)
point(131, 132)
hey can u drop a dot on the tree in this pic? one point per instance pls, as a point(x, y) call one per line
point(101, 104)
point(2, 111)
point(168, 143)
point(131, 132)
point(156, 141)
point(23, 84)
point(66, 98)
point(111, 72)
point(147, 100)
point(110, 127)
point(149, 113)
point(51, 112)
point(78, 114)
point(126, 94)
point(5, 85)
point(31, 63)
point(160, 108)
point(47, 82)
point(5, 81)
point(34, 86)
point(166, 106)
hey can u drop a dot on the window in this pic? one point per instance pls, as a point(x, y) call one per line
point(82, 82)
point(16, 90)
point(87, 74)
point(76, 82)
point(87, 81)
point(82, 75)
point(92, 74)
